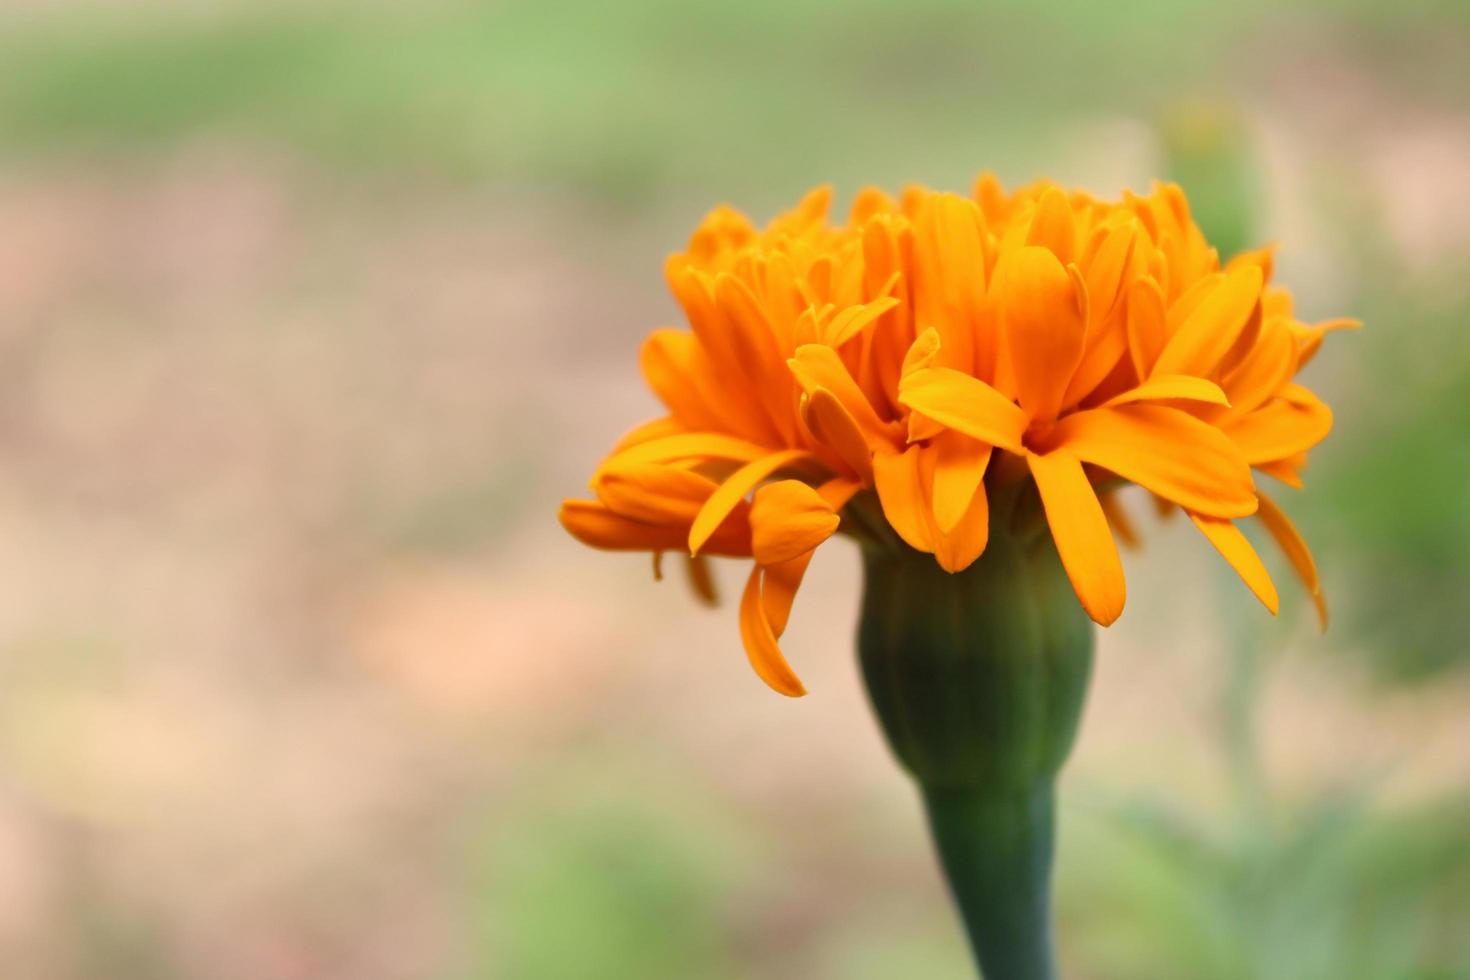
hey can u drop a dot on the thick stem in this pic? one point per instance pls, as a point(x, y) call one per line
point(996, 850)
point(978, 680)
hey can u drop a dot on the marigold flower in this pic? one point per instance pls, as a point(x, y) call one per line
point(937, 350)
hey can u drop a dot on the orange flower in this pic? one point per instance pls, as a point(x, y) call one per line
point(933, 351)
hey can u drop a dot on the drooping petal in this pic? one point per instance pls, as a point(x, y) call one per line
point(957, 548)
point(1208, 334)
point(1166, 386)
point(1291, 543)
point(778, 590)
point(1236, 549)
point(760, 641)
point(1164, 450)
point(701, 580)
point(959, 468)
point(731, 494)
point(789, 518)
point(1042, 327)
point(1080, 529)
point(966, 405)
point(900, 491)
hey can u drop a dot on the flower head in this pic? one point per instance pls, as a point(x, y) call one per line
point(892, 374)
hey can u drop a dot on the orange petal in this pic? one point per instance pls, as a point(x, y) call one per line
point(958, 471)
point(1207, 335)
point(654, 493)
point(922, 352)
point(1289, 539)
point(834, 428)
point(1168, 451)
point(1042, 327)
point(958, 548)
point(851, 321)
point(595, 526)
point(1052, 226)
point(674, 367)
point(690, 445)
point(900, 491)
point(788, 518)
point(1262, 373)
point(1284, 470)
point(1165, 386)
point(966, 405)
point(701, 581)
point(1280, 428)
point(818, 366)
point(1234, 548)
point(1080, 529)
point(760, 641)
point(731, 493)
point(778, 590)
point(1147, 329)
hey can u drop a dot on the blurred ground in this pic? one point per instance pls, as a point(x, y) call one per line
point(308, 320)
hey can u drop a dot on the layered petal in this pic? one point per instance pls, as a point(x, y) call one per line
point(1043, 326)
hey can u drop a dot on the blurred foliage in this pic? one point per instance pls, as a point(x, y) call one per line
point(619, 99)
point(580, 879)
point(1331, 889)
point(1208, 151)
point(1393, 498)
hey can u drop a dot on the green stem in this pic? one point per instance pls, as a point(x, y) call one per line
point(996, 850)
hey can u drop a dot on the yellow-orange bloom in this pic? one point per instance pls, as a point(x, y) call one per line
point(891, 374)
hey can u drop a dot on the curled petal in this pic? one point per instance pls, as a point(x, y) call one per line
point(760, 641)
point(596, 526)
point(787, 519)
point(654, 493)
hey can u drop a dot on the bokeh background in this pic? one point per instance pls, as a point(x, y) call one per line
point(310, 313)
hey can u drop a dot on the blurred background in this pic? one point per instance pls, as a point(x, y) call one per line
point(310, 313)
